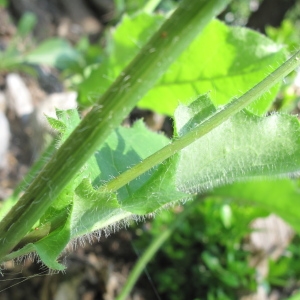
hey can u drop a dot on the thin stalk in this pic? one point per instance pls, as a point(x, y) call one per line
point(151, 250)
point(138, 77)
point(221, 116)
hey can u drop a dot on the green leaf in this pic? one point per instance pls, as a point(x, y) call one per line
point(93, 210)
point(158, 190)
point(54, 52)
point(237, 59)
point(281, 196)
point(246, 146)
point(65, 123)
point(128, 38)
point(205, 164)
point(50, 247)
point(26, 24)
point(244, 157)
point(56, 124)
point(124, 149)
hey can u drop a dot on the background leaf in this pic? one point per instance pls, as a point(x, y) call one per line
point(127, 40)
point(54, 52)
point(236, 59)
point(26, 24)
point(227, 61)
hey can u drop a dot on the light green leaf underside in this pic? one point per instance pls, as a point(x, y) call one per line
point(224, 60)
point(244, 147)
point(156, 192)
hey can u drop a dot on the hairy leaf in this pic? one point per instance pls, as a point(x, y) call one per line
point(244, 147)
point(94, 210)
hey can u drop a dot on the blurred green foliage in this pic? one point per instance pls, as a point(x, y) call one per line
point(3, 3)
point(205, 257)
point(284, 273)
point(286, 34)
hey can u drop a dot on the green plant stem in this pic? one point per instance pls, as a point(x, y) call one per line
point(151, 250)
point(218, 118)
point(138, 77)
